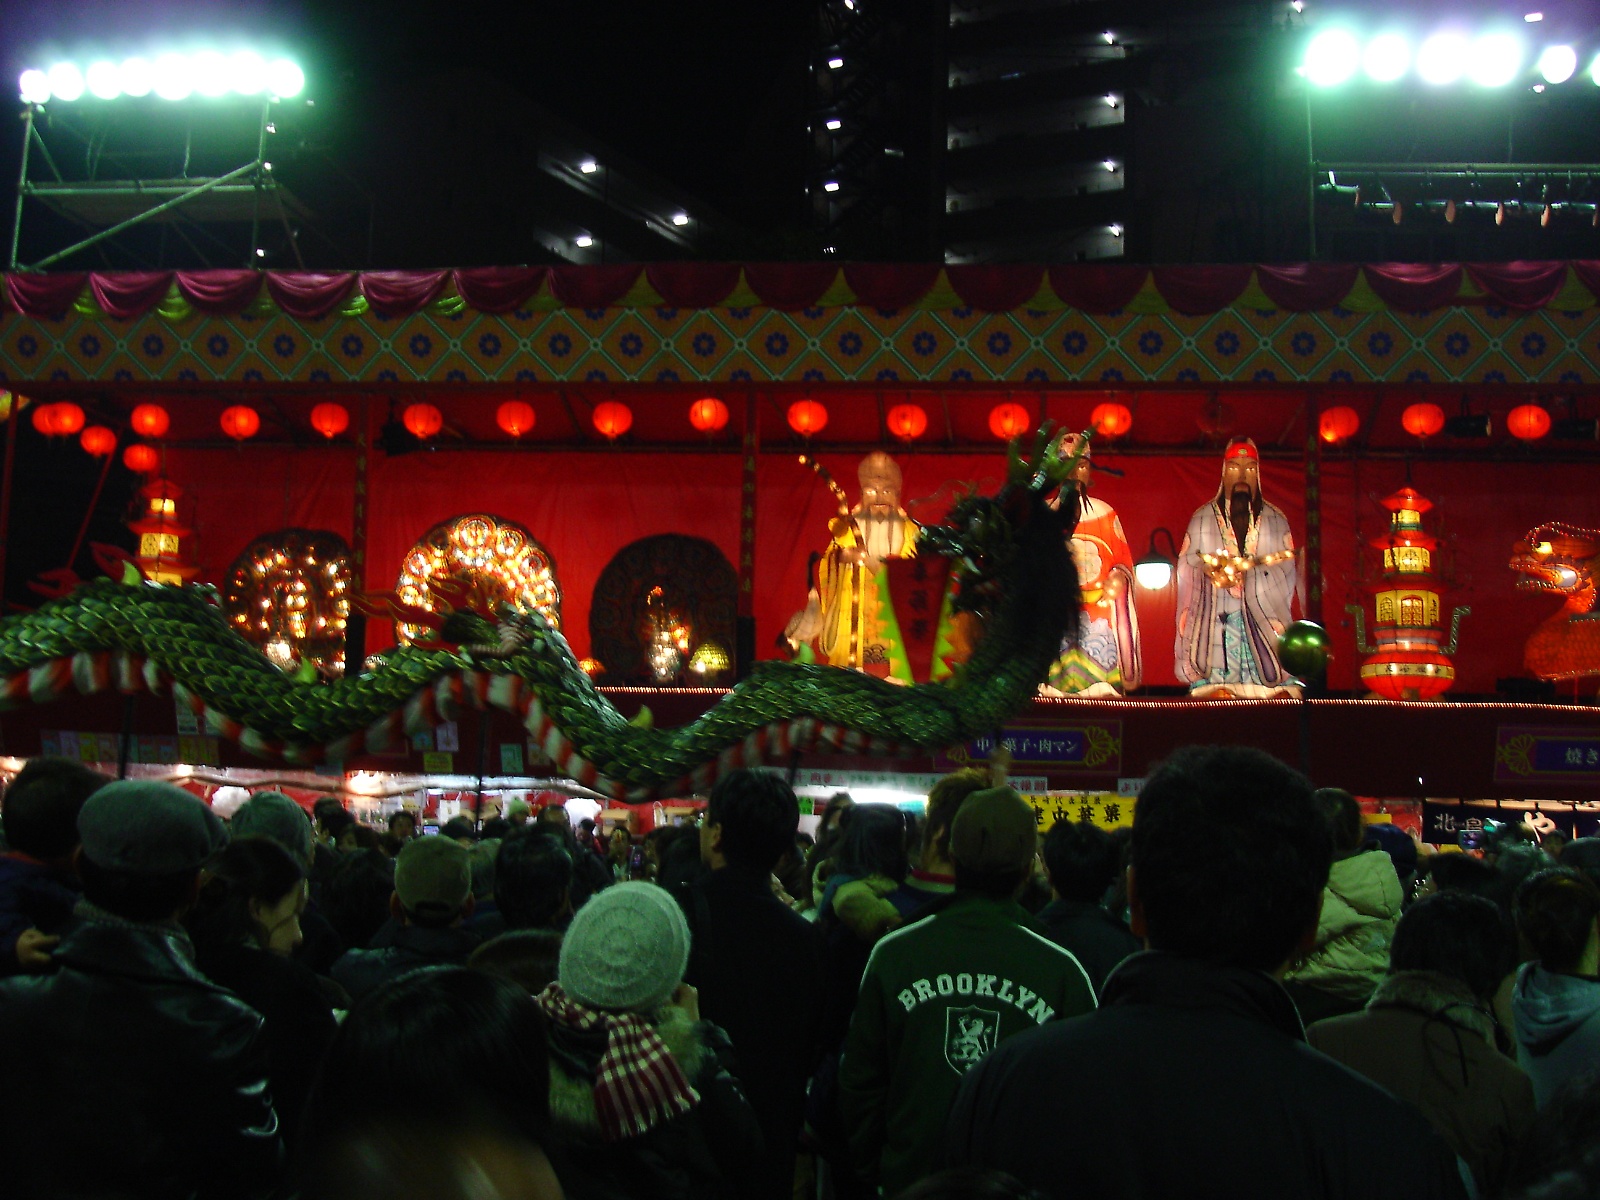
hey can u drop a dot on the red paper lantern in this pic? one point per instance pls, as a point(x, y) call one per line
point(1111, 420)
point(44, 419)
point(515, 417)
point(140, 458)
point(150, 420)
point(240, 422)
point(807, 417)
point(330, 420)
point(708, 415)
point(1528, 422)
point(1338, 425)
point(98, 441)
point(423, 420)
point(907, 421)
point(58, 420)
point(613, 418)
point(1006, 421)
point(1423, 420)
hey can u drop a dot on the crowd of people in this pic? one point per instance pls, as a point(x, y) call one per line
point(1254, 992)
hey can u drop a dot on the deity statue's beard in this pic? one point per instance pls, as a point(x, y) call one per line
point(1241, 507)
point(881, 537)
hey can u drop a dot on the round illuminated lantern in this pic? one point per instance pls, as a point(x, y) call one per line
point(44, 419)
point(1422, 420)
point(240, 421)
point(515, 417)
point(708, 415)
point(1006, 421)
point(1338, 425)
point(58, 420)
point(330, 419)
point(907, 421)
point(613, 418)
point(1111, 420)
point(423, 420)
point(140, 458)
point(1528, 422)
point(150, 420)
point(807, 417)
point(98, 441)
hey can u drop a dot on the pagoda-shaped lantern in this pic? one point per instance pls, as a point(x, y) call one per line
point(1409, 658)
point(162, 534)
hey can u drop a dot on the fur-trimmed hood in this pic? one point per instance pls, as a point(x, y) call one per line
point(1435, 995)
point(575, 1057)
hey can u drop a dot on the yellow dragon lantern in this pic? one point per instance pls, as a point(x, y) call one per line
point(1560, 558)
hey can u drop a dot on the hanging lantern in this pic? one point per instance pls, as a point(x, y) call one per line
point(44, 419)
point(58, 420)
point(1111, 420)
point(98, 441)
point(1338, 425)
point(423, 420)
point(907, 421)
point(1422, 420)
point(708, 415)
point(150, 420)
point(807, 417)
point(1528, 422)
point(140, 458)
point(240, 422)
point(515, 417)
point(1006, 421)
point(613, 418)
point(330, 420)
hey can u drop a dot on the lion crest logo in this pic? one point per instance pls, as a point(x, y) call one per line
point(969, 1034)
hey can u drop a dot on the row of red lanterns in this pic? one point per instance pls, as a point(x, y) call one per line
point(1526, 422)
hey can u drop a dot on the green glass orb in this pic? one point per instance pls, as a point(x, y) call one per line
point(1304, 649)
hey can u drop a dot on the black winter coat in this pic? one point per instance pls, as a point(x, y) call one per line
point(707, 1153)
point(129, 1074)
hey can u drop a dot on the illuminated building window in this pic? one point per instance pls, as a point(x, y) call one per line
point(498, 560)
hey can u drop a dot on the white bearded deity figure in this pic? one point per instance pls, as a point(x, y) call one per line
point(1237, 583)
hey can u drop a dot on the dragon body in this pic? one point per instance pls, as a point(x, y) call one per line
point(1009, 555)
point(1562, 560)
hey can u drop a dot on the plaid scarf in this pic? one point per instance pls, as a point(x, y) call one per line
point(638, 1084)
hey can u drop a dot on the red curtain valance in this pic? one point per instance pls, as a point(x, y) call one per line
point(1090, 287)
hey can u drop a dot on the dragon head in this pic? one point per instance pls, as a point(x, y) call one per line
point(1559, 558)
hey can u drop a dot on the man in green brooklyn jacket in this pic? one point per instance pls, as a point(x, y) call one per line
point(942, 992)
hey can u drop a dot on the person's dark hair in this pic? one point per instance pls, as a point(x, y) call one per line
point(968, 1183)
point(874, 844)
point(251, 868)
point(459, 827)
point(465, 1156)
point(1515, 862)
point(1081, 859)
point(1230, 856)
point(336, 821)
point(944, 799)
point(1556, 911)
point(403, 815)
point(40, 808)
point(495, 829)
point(322, 807)
point(356, 899)
point(1460, 935)
point(532, 879)
point(758, 813)
point(1583, 854)
point(444, 1039)
point(368, 838)
point(529, 958)
point(1461, 873)
point(586, 827)
point(136, 897)
point(1343, 816)
point(391, 844)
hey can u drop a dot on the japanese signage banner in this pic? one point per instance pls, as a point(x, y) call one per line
point(105, 747)
point(1541, 753)
point(1105, 809)
point(1443, 822)
point(1083, 745)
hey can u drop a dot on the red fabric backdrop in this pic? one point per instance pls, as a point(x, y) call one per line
point(584, 508)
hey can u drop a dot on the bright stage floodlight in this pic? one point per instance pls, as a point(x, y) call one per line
point(66, 81)
point(1558, 63)
point(1594, 70)
point(1332, 57)
point(1443, 58)
point(34, 87)
point(174, 77)
point(136, 76)
point(210, 74)
point(104, 80)
point(1387, 57)
point(247, 72)
point(285, 79)
point(1494, 60)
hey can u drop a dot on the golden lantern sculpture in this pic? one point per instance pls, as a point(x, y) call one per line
point(1410, 657)
point(498, 561)
point(161, 531)
point(289, 593)
point(709, 660)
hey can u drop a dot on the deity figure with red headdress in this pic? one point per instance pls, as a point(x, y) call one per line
point(1237, 584)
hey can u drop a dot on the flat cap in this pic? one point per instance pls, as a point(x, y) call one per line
point(149, 828)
